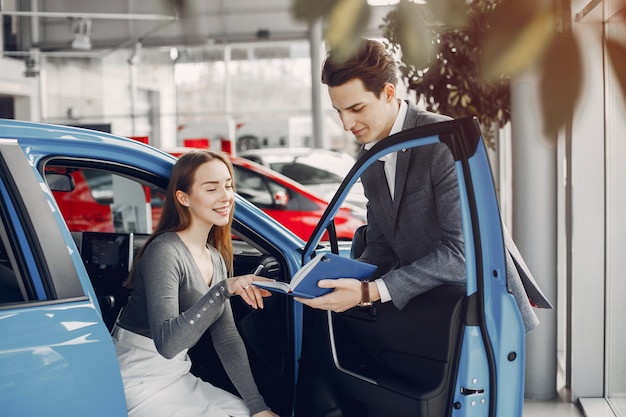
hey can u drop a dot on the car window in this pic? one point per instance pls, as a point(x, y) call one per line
point(268, 194)
point(10, 291)
point(307, 174)
point(252, 187)
point(94, 200)
point(100, 185)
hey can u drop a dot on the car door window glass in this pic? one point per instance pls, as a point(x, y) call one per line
point(12, 288)
point(10, 291)
point(298, 202)
point(307, 174)
point(253, 188)
point(101, 201)
point(267, 194)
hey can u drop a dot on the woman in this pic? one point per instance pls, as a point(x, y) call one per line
point(181, 289)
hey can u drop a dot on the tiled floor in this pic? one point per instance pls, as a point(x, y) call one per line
point(555, 408)
point(560, 406)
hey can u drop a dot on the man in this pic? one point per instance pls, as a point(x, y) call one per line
point(414, 231)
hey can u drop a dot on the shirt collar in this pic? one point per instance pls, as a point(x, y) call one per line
point(397, 127)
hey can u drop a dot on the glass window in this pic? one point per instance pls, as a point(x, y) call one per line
point(615, 359)
point(16, 286)
point(10, 291)
point(253, 188)
point(101, 201)
point(307, 174)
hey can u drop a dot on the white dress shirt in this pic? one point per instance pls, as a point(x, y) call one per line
point(390, 161)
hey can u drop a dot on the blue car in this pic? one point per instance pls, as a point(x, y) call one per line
point(453, 351)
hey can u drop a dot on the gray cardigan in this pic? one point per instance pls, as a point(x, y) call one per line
point(172, 304)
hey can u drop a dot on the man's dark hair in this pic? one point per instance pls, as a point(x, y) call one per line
point(372, 64)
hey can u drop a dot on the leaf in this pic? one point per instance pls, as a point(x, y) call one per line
point(617, 57)
point(562, 76)
point(346, 24)
point(452, 13)
point(414, 35)
point(519, 33)
point(307, 10)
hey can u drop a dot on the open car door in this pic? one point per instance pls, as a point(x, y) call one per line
point(452, 351)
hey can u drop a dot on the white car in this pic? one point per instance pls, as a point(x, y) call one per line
point(320, 170)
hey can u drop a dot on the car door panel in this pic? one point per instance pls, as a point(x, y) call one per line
point(392, 346)
point(52, 335)
point(48, 354)
point(394, 363)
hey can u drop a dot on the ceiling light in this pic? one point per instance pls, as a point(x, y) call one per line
point(82, 32)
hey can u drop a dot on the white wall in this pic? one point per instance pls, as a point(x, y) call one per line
point(110, 90)
point(24, 90)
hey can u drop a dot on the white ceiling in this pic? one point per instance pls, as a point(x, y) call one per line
point(121, 23)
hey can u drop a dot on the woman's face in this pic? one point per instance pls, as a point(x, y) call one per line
point(211, 197)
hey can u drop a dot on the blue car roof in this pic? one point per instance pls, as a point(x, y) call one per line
point(43, 140)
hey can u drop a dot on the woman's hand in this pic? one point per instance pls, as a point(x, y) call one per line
point(251, 294)
point(266, 413)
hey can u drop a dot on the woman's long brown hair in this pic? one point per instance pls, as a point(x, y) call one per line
point(175, 217)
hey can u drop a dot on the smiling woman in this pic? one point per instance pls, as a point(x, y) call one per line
point(182, 289)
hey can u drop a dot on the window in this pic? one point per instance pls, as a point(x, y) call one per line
point(307, 174)
point(10, 291)
point(253, 188)
point(101, 201)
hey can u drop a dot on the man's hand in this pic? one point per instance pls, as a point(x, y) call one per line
point(346, 294)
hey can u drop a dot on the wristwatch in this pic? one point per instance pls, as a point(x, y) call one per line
point(365, 295)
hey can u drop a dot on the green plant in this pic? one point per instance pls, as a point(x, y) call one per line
point(515, 36)
point(450, 81)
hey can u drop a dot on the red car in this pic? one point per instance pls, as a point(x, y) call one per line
point(92, 207)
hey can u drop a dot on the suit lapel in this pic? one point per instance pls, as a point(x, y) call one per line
point(375, 177)
point(402, 168)
point(381, 185)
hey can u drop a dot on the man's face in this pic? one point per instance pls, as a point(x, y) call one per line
point(368, 118)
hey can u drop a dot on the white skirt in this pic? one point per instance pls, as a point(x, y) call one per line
point(159, 387)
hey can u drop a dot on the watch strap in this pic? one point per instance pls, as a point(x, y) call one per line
point(366, 301)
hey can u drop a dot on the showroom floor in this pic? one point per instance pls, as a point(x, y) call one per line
point(553, 408)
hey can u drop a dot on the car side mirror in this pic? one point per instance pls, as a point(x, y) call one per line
point(281, 199)
point(60, 182)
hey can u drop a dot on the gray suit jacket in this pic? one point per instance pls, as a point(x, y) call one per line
point(416, 239)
